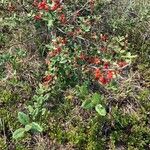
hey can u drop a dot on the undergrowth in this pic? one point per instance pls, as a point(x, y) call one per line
point(75, 75)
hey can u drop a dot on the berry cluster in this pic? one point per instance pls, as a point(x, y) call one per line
point(104, 70)
point(44, 6)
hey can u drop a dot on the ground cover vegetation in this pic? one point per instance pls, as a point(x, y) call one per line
point(75, 75)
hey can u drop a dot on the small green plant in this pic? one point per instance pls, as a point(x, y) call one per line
point(35, 112)
point(28, 126)
point(91, 101)
point(36, 109)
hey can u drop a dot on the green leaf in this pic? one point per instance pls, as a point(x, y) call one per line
point(35, 113)
point(50, 23)
point(45, 97)
point(18, 133)
point(83, 90)
point(36, 127)
point(96, 99)
point(43, 111)
point(87, 104)
point(28, 127)
point(30, 108)
point(85, 27)
point(128, 55)
point(23, 118)
point(100, 109)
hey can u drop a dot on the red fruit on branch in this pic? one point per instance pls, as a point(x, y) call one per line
point(121, 63)
point(64, 41)
point(11, 7)
point(55, 52)
point(104, 37)
point(96, 61)
point(62, 18)
point(109, 74)
point(58, 50)
point(106, 65)
point(55, 6)
point(46, 8)
point(82, 57)
point(43, 5)
point(38, 17)
point(97, 73)
point(52, 54)
point(35, 3)
point(47, 78)
point(103, 80)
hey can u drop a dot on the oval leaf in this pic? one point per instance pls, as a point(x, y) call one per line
point(28, 127)
point(83, 90)
point(87, 104)
point(18, 133)
point(100, 109)
point(30, 108)
point(36, 127)
point(96, 99)
point(23, 118)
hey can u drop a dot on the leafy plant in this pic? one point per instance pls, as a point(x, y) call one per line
point(28, 126)
point(35, 111)
point(91, 101)
point(100, 110)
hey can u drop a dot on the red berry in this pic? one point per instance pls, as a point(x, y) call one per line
point(106, 65)
point(82, 56)
point(58, 50)
point(97, 73)
point(35, 3)
point(96, 61)
point(43, 5)
point(109, 74)
point(62, 19)
point(103, 80)
point(38, 17)
point(121, 64)
point(46, 8)
point(55, 7)
point(47, 78)
point(104, 37)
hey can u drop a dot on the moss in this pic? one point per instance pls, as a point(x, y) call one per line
point(9, 118)
point(140, 136)
point(95, 137)
point(76, 136)
point(3, 112)
point(21, 147)
point(143, 98)
point(73, 130)
point(3, 144)
point(5, 95)
point(55, 130)
point(131, 128)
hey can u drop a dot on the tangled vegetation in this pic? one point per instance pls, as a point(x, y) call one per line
point(75, 75)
